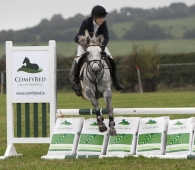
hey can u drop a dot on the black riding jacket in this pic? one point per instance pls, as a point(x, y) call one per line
point(87, 24)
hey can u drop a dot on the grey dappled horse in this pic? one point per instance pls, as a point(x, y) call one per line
point(96, 80)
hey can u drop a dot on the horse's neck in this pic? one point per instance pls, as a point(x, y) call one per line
point(27, 62)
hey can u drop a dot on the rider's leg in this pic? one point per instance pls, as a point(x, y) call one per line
point(76, 81)
point(79, 59)
point(118, 85)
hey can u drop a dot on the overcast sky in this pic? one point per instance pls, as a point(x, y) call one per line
point(20, 14)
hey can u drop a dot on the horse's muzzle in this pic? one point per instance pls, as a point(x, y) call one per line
point(95, 68)
point(95, 71)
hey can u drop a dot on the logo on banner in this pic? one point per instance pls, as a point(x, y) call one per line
point(124, 122)
point(151, 122)
point(94, 124)
point(178, 123)
point(30, 67)
point(66, 123)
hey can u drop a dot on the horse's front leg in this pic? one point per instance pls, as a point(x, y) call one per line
point(108, 100)
point(95, 103)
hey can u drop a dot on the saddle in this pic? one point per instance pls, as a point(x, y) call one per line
point(81, 64)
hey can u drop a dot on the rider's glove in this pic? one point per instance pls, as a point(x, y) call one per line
point(103, 48)
point(102, 53)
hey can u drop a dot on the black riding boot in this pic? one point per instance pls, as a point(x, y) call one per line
point(118, 85)
point(76, 81)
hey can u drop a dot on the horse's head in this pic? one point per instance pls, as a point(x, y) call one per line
point(93, 46)
point(25, 60)
point(94, 58)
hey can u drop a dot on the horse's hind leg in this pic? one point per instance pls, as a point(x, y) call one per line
point(108, 100)
point(100, 119)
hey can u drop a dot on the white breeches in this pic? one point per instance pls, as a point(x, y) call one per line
point(80, 51)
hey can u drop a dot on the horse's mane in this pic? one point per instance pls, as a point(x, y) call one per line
point(86, 40)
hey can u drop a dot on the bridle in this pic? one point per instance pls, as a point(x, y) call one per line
point(89, 70)
point(95, 78)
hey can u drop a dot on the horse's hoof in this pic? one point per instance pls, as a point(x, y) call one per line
point(112, 132)
point(101, 124)
point(78, 93)
point(103, 129)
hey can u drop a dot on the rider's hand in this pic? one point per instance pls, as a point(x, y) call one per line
point(102, 53)
point(103, 48)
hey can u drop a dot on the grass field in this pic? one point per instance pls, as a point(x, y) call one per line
point(31, 158)
point(68, 49)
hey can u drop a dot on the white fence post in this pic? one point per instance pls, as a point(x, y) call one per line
point(139, 79)
point(2, 82)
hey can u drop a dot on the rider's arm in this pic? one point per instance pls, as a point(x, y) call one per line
point(82, 29)
point(104, 31)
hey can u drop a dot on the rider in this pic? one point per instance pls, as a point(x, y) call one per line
point(95, 24)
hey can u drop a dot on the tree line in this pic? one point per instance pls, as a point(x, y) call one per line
point(62, 29)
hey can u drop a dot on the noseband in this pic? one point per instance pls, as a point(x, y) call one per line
point(92, 62)
point(98, 62)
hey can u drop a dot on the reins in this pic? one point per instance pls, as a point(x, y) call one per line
point(101, 65)
point(94, 78)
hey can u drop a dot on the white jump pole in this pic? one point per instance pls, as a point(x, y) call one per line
point(128, 111)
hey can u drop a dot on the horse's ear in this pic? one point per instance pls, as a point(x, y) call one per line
point(94, 36)
point(101, 39)
point(88, 39)
point(86, 33)
point(83, 41)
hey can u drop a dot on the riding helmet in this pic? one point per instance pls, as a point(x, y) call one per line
point(98, 11)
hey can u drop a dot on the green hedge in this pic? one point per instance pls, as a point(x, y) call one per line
point(177, 75)
point(151, 73)
point(148, 61)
